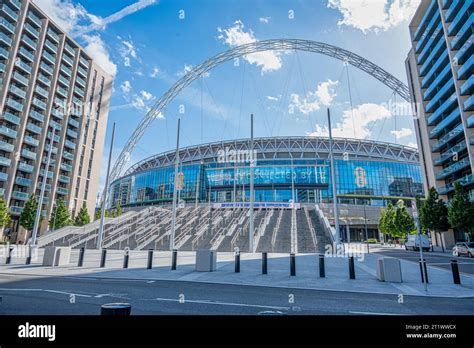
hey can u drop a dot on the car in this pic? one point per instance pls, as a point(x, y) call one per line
point(464, 248)
point(413, 242)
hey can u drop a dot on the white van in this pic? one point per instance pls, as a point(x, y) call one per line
point(413, 242)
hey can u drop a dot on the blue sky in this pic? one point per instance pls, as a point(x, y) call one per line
point(149, 44)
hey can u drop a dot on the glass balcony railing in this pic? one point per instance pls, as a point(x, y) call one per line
point(82, 71)
point(455, 167)
point(7, 25)
point(30, 43)
point(455, 150)
point(15, 105)
point(33, 31)
point(424, 20)
point(72, 133)
point(452, 10)
point(73, 122)
point(460, 18)
point(17, 91)
point(16, 4)
point(64, 179)
point(22, 181)
point(28, 154)
point(69, 49)
point(54, 149)
point(68, 60)
point(438, 81)
point(66, 70)
point(84, 62)
point(430, 32)
point(8, 132)
point(51, 46)
point(33, 128)
point(79, 91)
point(469, 104)
point(35, 19)
point(448, 121)
point(15, 210)
point(24, 167)
point(48, 56)
point(46, 68)
point(49, 174)
point(56, 125)
point(466, 180)
point(57, 113)
point(442, 61)
point(41, 91)
point(38, 103)
point(66, 167)
point(466, 69)
point(22, 196)
point(470, 121)
point(57, 138)
point(77, 101)
point(6, 162)
point(44, 79)
point(63, 80)
point(26, 54)
point(442, 93)
point(80, 82)
point(8, 116)
point(4, 53)
point(428, 59)
point(448, 137)
point(3, 176)
point(9, 12)
point(36, 115)
point(7, 147)
point(31, 141)
point(463, 33)
point(464, 52)
point(432, 42)
point(68, 155)
point(22, 65)
point(467, 87)
point(52, 35)
point(61, 91)
point(70, 144)
point(5, 39)
point(2, 67)
point(62, 191)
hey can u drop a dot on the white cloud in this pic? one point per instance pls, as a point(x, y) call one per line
point(146, 95)
point(357, 121)
point(65, 13)
point(235, 36)
point(97, 49)
point(155, 72)
point(126, 87)
point(269, 97)
point(187, 68)
point(127, 50)
point(413, 144)
point(404, 132)
point(265, 20)
point(324, 94)
point(374, 15)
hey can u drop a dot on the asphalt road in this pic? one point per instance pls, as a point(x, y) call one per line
point(69, 295)
point(466, 265)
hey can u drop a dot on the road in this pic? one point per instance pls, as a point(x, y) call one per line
point(466, 265)
point(70, 295)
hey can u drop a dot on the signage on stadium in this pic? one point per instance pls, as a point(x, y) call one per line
point(256, 205)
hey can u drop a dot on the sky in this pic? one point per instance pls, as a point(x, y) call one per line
point(148, 45)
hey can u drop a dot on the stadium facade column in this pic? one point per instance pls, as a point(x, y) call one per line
point(333, 181)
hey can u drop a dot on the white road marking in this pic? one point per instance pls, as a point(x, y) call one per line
point(374, 313)
point(221, 303)
point(46, 290)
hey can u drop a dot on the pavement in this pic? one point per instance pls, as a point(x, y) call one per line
point(307, 273)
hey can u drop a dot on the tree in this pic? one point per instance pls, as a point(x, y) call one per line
point(28, 214)
point(461, 210)
point(387, 218)
point(82, 217)
point(404, 223)
point(118, 210)
point(434, 213)
point(5, 218)
point(60, 216)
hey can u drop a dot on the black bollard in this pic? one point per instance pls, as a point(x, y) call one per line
point(116, 309)
point(423, 271)
point(237, 262)
point(264, 263)
point(292, 265)
point(102, 258)
point(352, 274)
point(28, 258)
point(150, 259)
point(80, 262)
point(125, 259)
point(322, 271)
point(9, 257)
point(174, 259)
point(455, 269)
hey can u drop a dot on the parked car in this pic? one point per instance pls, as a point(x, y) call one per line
point(413, 242)
point(464, 248)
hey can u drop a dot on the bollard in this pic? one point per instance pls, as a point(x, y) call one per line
point(292, 265)
point(455, 269)
point(150, 259)
point(116, 309)
point(125, 259)
point(174, 259)
point(322, 272)
point(102, 258)
point(28, 258)
point(264, 263)
point(352, 274)
point(80, 262)
point(423, 271)
point(9, 257)
point(237, 262)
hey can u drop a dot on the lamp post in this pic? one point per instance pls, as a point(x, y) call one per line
point(333, 180)
point(366, 232)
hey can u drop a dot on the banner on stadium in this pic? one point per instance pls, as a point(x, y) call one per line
point(257, 205)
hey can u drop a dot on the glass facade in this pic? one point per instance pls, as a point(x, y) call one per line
point(279, 180)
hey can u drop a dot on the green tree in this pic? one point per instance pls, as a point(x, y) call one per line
point(461, 210)
point(28, 214)
point(118, 210)
point(5, 218)
point(404, 223)
point(387, 218)
point(82, 217)
point(434, 214)
point(60, 216)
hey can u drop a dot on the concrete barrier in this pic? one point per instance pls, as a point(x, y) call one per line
point(206, 260)
point(389, 270)
point(56, 256)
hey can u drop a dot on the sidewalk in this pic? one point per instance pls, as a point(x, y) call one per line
point(307, 272)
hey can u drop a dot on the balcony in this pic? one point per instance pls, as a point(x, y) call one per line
point(448, 137)
point(26, 54)
point(424, 20)
point(16, 4)
point(38, 103)
point(9, 12)
point(50, 174)
point(63, 80)
point(467, 69)
point(54, 150)
point(84, 62)
point(58, 114)
point(34, 18)
point(82, 71)
point(70, 144)
point(466, 180)
point(22, 181)
point(11, 118)
point(66, 70)
point(426, 61)
point(77, 101)
point(55, 125)
point(433, 40)
point(56, 137)
point(62, 191)
point(46, 68)
point(68, 155)
point(28, 154)
point(44, 80)
point(72, 133)
point(30, 43)
point(21, 196)
point(460, 18)
point(41, 91)
point(48, 56)
point(15, 210)
point(463, 33)
point(17, 91)
point(34, 32)
point(64, 179)
point(73, 122)
point(7, 147)
point(5, 39)
point(36, 115)
point(23, 66)
point(69, 49)
point(4, 53)
point(6, 162)
point(31, 141)
point(455, 150)
point(61, 91)
point(8, 132)
point(51, 46)
point(448, 88)
point(66, 167)
point(443, 60)
point(453, 168)
point(465, 52)
point(15, 105)
point(438, 81)
point(52, 35)
point(467, 87)
point(79, 91)
point(429, 32)
point(3, 176)
point(470, 121)
point(25, 167)
point(33, 128)
point(469, 104)
point(7, 25)
point(68, 60)
point(452, 10)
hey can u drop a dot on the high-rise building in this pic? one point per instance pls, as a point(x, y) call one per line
point(440, 69)
point(48, 83)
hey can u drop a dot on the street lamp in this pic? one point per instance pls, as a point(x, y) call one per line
point(366, 232)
